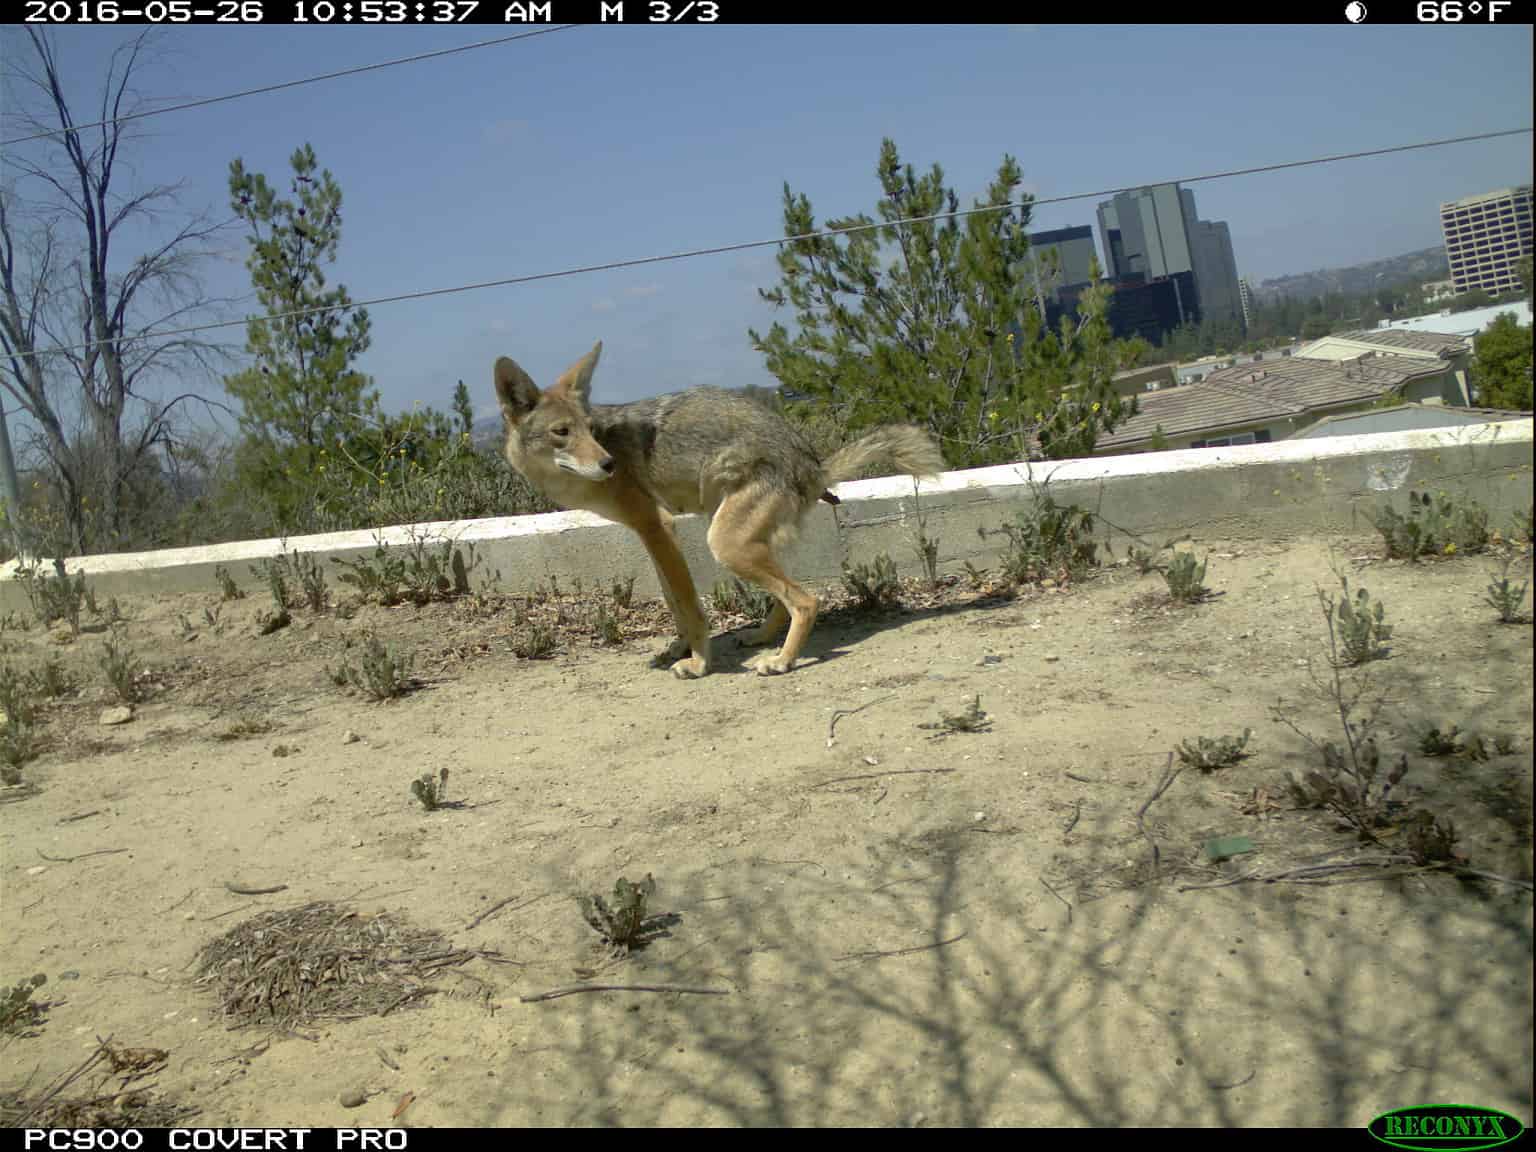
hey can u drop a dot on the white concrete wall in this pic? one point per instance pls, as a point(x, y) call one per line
point(1284, 488)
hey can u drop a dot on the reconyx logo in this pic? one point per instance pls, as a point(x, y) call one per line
point(1437, 1126)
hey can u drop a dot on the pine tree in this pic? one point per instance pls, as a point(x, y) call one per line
point(303, 395)
point(935, 322)
point(463, 409)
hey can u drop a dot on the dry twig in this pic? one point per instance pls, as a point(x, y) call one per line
point(556, 993)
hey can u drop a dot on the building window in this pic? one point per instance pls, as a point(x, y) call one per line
point(1259, 437)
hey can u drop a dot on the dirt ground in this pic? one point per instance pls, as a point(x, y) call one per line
point(911, 927)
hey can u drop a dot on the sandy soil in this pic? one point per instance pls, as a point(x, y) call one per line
point(913, 929)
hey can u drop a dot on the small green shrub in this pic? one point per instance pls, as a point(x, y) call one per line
point(382, 672)
point(1506, 598)
point(228, 589)
point(1047, 541)
point(1186, 578)
point(431, 792)
point(18, 742)
point(873, 585)
point(606, 628)
point(420, 574)
point(122, 668)
point(1208, 755)
point(19, 1012)
point(57, 596)
point(623, 926)
point(738, 598)
point(1433, 526)
point(1451, 741)
point(1362, 627)
point(1350, 783)
point(51, 679)
point(538, 641)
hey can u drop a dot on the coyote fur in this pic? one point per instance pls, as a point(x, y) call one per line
point(708, 451)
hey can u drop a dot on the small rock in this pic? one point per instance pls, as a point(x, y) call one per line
point(350, 737)
point(37, 870)
point(979, 817)
point(118, 715)
point(354, 1099)
point(988, 659)
point(872, 761)
point(70, 974)
point(1052, 658)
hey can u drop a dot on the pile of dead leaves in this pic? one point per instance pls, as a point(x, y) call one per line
point(322, 961)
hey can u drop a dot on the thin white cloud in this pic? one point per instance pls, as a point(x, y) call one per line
point(643, 290)
point(604, 305)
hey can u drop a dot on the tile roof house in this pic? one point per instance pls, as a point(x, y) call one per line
point(1398, 341)
point(1257, 403)
point(1454, 349)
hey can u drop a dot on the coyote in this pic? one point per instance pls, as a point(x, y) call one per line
point(708, 451)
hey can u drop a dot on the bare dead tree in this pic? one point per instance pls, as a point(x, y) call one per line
point(79, 322)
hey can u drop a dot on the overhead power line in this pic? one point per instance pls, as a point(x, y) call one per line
point(642, 261)
point(203, 103)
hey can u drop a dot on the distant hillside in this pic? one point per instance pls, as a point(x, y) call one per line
point(486, 431)
point(1414, 267)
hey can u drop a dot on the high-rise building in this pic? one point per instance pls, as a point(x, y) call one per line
point(1147, 308)
point(1216, 272)
point(1155, 233)
point(1144, 232)
point(1062, 258)
point(1485, 237)
point(1245, 297)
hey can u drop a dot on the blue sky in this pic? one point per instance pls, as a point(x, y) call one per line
point(603, 143)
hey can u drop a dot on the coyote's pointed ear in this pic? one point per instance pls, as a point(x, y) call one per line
point(515, 390)
point(576, 381)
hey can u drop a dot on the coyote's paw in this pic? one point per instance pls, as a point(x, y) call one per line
point(690, 669)
point(771, 664)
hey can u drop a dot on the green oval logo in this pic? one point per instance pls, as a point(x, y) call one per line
point(1431, 1127)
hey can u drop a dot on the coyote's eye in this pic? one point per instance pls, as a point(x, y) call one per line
point(561, 431)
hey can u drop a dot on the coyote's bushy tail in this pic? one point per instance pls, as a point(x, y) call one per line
point(905, 448)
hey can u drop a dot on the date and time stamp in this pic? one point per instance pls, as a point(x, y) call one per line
point(343, 12)
point(362, 11)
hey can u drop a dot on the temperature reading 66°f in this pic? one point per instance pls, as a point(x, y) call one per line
point(1462, 11)
point(700, 11)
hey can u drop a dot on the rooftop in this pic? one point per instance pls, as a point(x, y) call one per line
point(1484, 197)
point(1465, 324)
point(1260, 393)
point(1444, 344)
